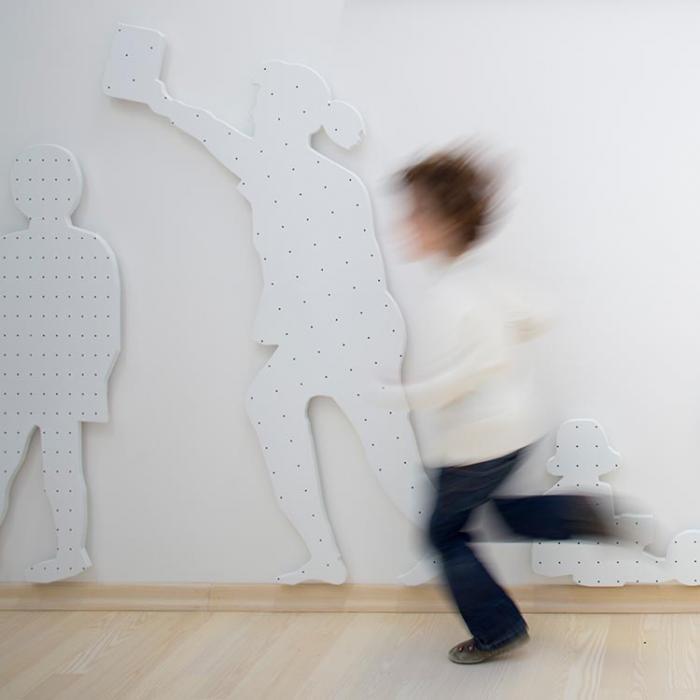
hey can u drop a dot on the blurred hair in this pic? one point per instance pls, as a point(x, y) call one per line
point(461, 188)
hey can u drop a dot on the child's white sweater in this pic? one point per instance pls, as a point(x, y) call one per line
point(475, 386)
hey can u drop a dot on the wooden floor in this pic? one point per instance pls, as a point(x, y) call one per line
point(101, 655)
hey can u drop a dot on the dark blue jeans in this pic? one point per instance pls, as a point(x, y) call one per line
point(491, 616)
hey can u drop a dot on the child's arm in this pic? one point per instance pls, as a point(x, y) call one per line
point(528, 314)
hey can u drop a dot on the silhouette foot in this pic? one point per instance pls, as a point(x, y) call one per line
point(316, 572)
point(425, 570)
point(58, 568)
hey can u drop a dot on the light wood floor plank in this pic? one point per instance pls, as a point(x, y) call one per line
point(141, 643)
point(314, 656)
point(43, 648)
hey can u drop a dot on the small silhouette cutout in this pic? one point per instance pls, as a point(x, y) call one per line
point(583, 454)
point(60, 327)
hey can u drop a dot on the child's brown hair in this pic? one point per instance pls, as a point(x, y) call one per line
point(461, 189)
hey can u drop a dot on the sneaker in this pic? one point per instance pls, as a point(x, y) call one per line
point(468, 653)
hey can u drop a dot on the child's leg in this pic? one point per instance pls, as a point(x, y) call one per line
point(555, 517)
point(492, 617)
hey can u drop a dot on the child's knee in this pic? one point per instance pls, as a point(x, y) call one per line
point(440, 534)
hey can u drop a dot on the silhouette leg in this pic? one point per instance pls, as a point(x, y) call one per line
point(278, 411)
point(390, 445)
point(14, 440)
point(65, 488)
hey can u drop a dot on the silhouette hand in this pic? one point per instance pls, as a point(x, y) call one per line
point(386, 394)
point(134, 65)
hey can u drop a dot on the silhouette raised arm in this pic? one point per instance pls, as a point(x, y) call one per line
point(228, 145)
point(133, 73)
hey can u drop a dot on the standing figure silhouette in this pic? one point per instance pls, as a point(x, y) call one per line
point(325, 303)
point(60, 310)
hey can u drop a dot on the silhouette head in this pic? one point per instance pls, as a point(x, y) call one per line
point(46, 183)
point(294, 101)
point(583, 451)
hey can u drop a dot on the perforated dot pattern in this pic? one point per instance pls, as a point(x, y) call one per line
point(325, 301)
point(583, 454)
point(60, 333)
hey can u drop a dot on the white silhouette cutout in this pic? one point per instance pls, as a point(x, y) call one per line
point(325, 303)
point(59, 303)
point(582, 456)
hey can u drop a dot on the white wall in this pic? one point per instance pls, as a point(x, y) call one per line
point(595, 107)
